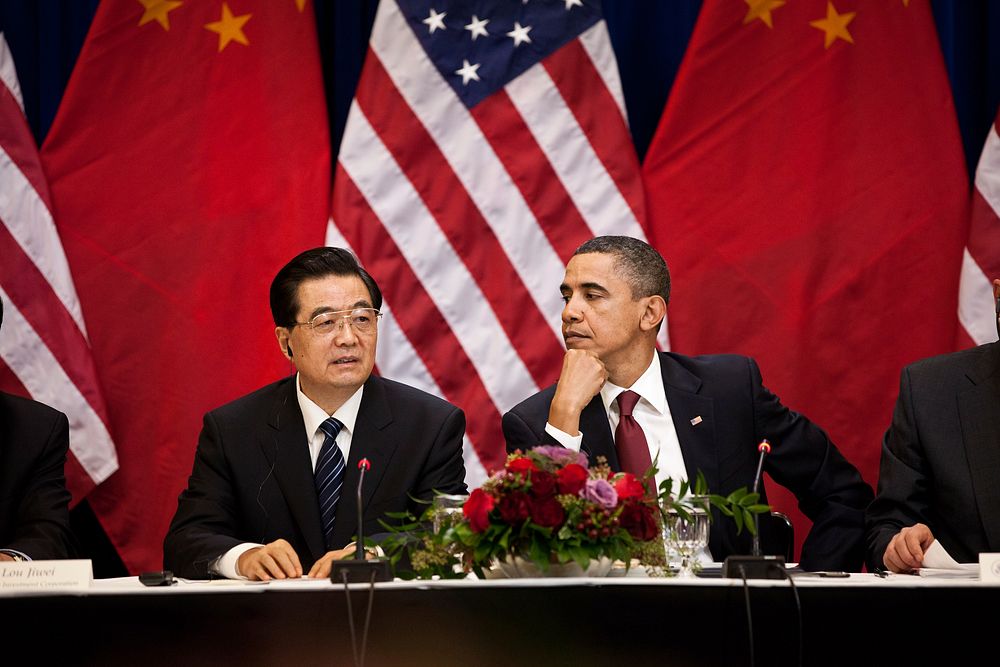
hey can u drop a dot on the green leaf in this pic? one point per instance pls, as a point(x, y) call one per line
point(738, 518)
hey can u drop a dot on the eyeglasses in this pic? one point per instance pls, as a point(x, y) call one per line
point(362, 320)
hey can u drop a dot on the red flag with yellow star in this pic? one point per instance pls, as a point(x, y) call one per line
point(807, 188)
point(188, 162)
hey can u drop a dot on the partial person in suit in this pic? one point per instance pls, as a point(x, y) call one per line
point(705, 413)
point(939, 477)
point(272, 492)
point(34, 501)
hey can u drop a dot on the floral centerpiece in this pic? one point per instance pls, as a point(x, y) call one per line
point(547, 507)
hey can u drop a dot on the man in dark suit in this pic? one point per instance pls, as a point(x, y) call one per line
point(273, 490)
point(34, 502)
point(619, 398)
point(939, 478)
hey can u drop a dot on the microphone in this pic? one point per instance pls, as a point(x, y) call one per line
point(756, 565)
point(764, 448)
point(360, 569)
point(364, 465)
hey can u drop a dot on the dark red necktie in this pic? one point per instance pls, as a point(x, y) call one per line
point(633, 452)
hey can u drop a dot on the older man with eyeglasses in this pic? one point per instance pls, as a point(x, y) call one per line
point(272, 495)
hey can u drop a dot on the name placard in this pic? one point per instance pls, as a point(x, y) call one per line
point(45, 575)
point(989, 568)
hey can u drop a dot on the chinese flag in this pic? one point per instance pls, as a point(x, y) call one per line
point(807, 188)
point(188, 162)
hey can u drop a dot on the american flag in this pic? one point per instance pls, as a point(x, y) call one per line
point(981, 259)
point(486, 141)
point(43, 344)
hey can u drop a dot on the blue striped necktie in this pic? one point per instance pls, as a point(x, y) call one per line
point(329, 475)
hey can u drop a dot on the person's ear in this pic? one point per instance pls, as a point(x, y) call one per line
point(655, 311)
point(284, 335)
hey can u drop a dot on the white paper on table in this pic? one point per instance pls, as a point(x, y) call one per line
point(939, 563)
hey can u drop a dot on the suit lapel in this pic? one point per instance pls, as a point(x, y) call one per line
point(597, 438)
point(979, 416)
point(369, 441)
point(286, 447)
point(697, 440)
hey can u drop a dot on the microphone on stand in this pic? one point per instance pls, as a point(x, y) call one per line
point(764, 448)
point(360, 569)
point(364, 465)
point(756, 565)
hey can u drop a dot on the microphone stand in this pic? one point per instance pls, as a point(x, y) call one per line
point(756, 565)
point(764, 447)
point(360, 569)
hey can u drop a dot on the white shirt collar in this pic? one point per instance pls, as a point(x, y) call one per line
point(313, 415)
point(649, 386)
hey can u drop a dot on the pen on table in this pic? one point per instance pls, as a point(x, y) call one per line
point(882, 574)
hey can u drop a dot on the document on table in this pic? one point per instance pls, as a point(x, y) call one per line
point(939, 563)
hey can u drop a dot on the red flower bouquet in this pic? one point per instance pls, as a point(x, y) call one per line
point(548, 507)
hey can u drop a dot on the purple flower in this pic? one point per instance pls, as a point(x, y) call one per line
point(600, 491)
point(562, 456)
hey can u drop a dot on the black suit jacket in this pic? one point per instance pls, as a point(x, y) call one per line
point(737, 411)
point(34, 502)
point(253, 479)
point(941, 456)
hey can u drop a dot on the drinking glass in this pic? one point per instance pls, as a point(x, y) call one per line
point(687, 536)
point(447, 510)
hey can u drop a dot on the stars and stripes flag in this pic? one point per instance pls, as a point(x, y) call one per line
point(44, 350)
point(981, 258)
point(480, 150)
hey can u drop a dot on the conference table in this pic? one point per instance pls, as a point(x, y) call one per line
point(860, 619)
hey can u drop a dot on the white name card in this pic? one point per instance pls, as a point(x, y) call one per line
point(45, 575)
point(989, 568)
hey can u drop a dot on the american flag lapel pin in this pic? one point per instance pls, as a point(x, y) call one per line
point(696, 421)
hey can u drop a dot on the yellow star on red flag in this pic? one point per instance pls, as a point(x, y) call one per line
point(761, 9)
point(834, 25)
point(158, 10)
point(229, 28)
point(301, 4)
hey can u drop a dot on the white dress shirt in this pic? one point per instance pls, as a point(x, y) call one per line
point(312, 417)
point(653, 415)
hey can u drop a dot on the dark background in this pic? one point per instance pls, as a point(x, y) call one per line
point(649, 39)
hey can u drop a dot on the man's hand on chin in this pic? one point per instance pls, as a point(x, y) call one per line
point(581, 378)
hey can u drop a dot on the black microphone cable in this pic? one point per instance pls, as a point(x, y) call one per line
point(359, 656)
point(746, 600)
point(798, 610)
point(798, 607)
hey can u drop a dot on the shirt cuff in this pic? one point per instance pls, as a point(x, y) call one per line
point(18, 555)
point(225, 565)
point(568, 441)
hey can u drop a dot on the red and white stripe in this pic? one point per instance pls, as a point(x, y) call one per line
point(981, 260)
point(44, 341)
point(467, 218)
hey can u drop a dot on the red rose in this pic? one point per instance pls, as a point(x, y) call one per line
point(522, 465)
point(513, 507)
point(628, 486)
point(477, 509)
point(547, 512)
point(543, 484)
point(638, 520)
point(572, 478)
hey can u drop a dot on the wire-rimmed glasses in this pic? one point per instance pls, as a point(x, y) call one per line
point(362, 320)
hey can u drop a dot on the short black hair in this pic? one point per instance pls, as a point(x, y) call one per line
point(637, 262)
point(310, 265)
